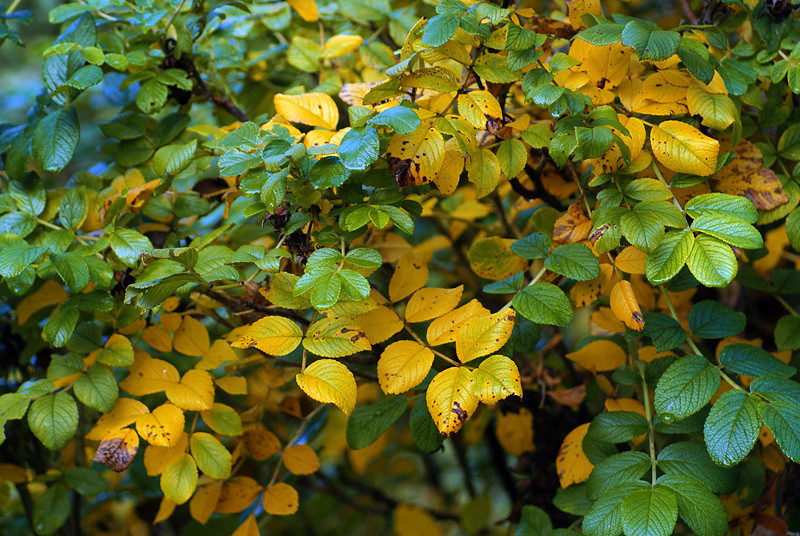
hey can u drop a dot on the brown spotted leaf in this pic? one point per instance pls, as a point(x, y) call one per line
point(117, 449)
point(450, 399)
point(573, 226)
point(415, 158)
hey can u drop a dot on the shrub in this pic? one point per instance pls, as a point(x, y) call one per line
point(345, 258)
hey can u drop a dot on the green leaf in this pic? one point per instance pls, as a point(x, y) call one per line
point(366, 424)
point(650, 512)
point(617, 426)
point(643, 229)
point(86, 481)
point(211, 456)
point(125, 126)
point(439, 30)
point(690, 459)
point(328, 172)
point(695, 57)
point(573, 500)
point(118, 352)
point(734, 231)
point(605, 516)
point(179, 479)
point(603, 34)
point(223, 420)
point(172, 159)
point(666, 332)
point(647, 190)
point(129, 245)
point(732, 427)
point(519, 38)
point(615, 470)
point(56, 138)
point(364, 258)
point(783, 420)
point(512, 156)
point(51, 510)
point(151, 96)
point(787, 333)
point(544, 303)
point(399, 118)
point(74, 208)
point(575, 261)
point(650, 43)
point(709, 319)
point(533, 522)
point(29, 194)
point(354, 285)
point(97, 388)
point(326, 290)
point(494, 68)
point(423, 429)
point(59, 328)
point(14, 259)
point(359, 148)
point(72, 269)
point(789, 143)
point(698, 507)
point(686, 386)
point(85, 77)
point(753, 361)
point(669, 257)
point(712, 261)
point(593, 142)
point(537, 136)
point(53, 419)
point(533, 246)
point(717, 204)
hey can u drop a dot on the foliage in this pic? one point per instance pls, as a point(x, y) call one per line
point(451, 221)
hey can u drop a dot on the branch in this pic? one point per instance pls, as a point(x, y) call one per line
point(223, 102)
point(243, 305)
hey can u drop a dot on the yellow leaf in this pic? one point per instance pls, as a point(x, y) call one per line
point(450, 399)
point(194, 393)
point(157, 337)
point(446, 179)
point(314, 109)
point(483, 335)
point(414, 521)
point(351, 309)
point(179, 479)
point(625, 306)
point(13, 473)
point(577, 8)
point(117, 449)
point(746, 176)
point(684, 149)
point(403, 365)
point(191, 338)
point(50, 293)
point(171, 321)
point(414, 159)
point(607, 65)
point(428, 303)
point(124, 413)
point(165, 509)
point(665, 87)
point(598, 356)
point(156, 458)
point(335, 337)
point(573, 225)
point(649, 354)
point(329, 381)
point(237, 494)
point(307, 9)
point(219, 353)
point(572, 465)
point(410, 274)
point(205, 499)
point(300, 459)
point(273, 335)
point(631, 260)
point(380, 324)
point(717, 111)
point(163, 427)
point(605, 320)
point(496, 378)
point(339, 45)
point(514, 431)
point(444, 329)
point(149, 375)
point(261, 443)
point(478, 107)
point(279, 292)
point(492, 258)
point(281, 499)
point(233, 385)
point(391, 246)
point(353, 94)
point(483, 170)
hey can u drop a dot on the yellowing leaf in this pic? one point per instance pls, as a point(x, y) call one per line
point(514, 431)
point(572, 226)
point(335, 337)
point(444, 329)
point(717, 111)
point(281, 499)
point(496, 378)
point(117, 352)
point(684, 149)
point(572, 465)
point(380, 324)
point(50, 293)
point(428, 303)
point(171, 321)
point(124, 413)
point(163, 427)
point(205, 499)
point(261, 443)
point(329, 382)
point(157, 337)
point(149, 375)
point(446, 179)
point(450, 399)
point(314, 109)
point(191, 338)
point(631, 260)
point(746, 176)
point(194, 393)
point(233, 385)
point(179, 479)
point(410, 274)
point(165, 510)
point(625, 306)
point(300, 459)
point(599, 356)
point(307, 9)
point(484, 335)
point(483, 170)
point(273, 335)
point(339, 45)
point(249, 527)
point(403, 365)
point(118, 449)
point(478, 107)
point(492, 258)
point(577, 8)
point(414, 159)
point(237, 494)
point(414, 521)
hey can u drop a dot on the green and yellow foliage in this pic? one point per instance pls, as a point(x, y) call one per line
point(412, 267)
